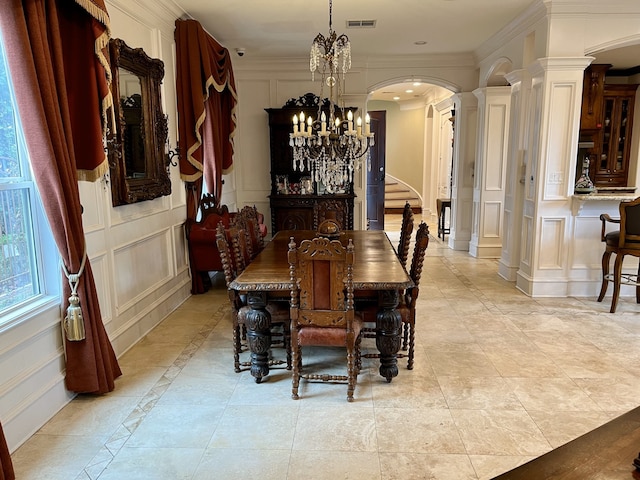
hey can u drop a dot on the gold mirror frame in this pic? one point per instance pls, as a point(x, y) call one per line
point(153, 181)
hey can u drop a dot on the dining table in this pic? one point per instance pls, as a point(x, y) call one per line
point(378, 276)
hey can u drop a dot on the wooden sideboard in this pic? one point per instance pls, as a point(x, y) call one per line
point(305, 212)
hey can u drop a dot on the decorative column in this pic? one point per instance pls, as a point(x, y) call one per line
point(464, 139)
point(490, 171)
point(547, 246)
point(516, 164)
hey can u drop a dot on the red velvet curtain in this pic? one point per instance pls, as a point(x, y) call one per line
point(206, 111)
point(63, 129)
point(6, 467)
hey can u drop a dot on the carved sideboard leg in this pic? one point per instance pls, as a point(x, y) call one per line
point(388, 333)
point(258, 334)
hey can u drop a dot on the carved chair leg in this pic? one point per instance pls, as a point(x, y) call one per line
point(351, 370)
point(237, 347)
point(405, 336)
point(297, 363)
point(617, 274)
point(605, 271)
point(638, 285)
point(412, 337)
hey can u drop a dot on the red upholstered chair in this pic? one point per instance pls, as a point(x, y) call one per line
point(322, 306)
point(625, 241)
point(201, 240)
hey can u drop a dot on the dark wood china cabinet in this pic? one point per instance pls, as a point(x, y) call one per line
point(610, 167)
point(297, 201)
point(605, 128)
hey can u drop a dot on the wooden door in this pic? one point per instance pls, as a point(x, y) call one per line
point(376, 174)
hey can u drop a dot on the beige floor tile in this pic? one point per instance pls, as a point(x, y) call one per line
point(342, 427)
point(330, 465)
point(479, 393)
point(172, 426)
point(499, 432)
point(89, 415)
point(134, 463)
point(418, 466)
point(256, 427)
point(489, 466)
point(240, 463)
point(54, 457)
point(559, 394)
point(560, 427)
point(417, 430)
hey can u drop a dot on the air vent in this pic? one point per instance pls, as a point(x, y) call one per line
point(361, 23)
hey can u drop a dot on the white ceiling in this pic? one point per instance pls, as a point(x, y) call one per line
point(286, 28)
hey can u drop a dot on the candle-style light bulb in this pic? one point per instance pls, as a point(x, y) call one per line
point(367, 125)
point(323, 123)
point(295, 124)
point(309, 123)
point(359, 126)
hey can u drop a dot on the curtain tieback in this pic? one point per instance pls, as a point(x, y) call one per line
point(73, 324)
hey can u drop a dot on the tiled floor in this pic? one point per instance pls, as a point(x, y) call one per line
point(500, 378)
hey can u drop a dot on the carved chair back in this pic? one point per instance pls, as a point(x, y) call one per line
point(405, 234)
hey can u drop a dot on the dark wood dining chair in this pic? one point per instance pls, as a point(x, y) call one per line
point(248, 219)
point(625, 241)
point(405, 234)
point(233, 264)
point(322, 310)
point(407, 306)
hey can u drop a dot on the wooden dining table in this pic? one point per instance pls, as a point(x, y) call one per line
point(378, 276)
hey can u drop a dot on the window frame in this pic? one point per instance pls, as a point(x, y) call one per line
point(44, 254)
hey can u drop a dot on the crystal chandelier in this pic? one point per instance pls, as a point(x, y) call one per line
point(328, 147)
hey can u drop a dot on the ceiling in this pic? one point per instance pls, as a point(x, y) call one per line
point(286, 28)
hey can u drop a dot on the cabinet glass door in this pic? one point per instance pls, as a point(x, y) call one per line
point(622, 135)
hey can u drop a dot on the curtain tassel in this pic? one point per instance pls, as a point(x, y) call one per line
point(73, 323)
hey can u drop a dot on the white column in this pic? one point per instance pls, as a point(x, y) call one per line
point(490, 171)
point(516, 164)
point(547, 246)
point(463, 161)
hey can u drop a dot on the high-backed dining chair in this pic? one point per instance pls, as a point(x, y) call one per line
point(405, 234)
point(625, 241)
point(329, 210)
point(233, 264)
point(322, 306)
point(407, 305)
point(248, 219)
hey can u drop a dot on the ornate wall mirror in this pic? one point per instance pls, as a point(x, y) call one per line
point(138, 162)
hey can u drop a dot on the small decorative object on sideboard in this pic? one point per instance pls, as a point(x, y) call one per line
point(282, 184)
point(306, 186)
point(584, 183)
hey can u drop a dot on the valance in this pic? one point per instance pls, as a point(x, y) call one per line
point(206, 97)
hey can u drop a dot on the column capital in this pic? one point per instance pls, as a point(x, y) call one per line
point(568, 64)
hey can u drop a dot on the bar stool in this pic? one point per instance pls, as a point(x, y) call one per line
point(441, 205)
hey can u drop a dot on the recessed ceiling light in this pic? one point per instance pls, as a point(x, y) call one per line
point(420, 42)
point(396, 98)
point(409, 91)
point(416, 84)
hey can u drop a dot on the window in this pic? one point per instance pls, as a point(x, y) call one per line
point(20, 212)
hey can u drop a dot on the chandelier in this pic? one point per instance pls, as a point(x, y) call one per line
point(329, 147)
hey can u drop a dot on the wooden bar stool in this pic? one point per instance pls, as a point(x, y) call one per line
point(441, 205)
